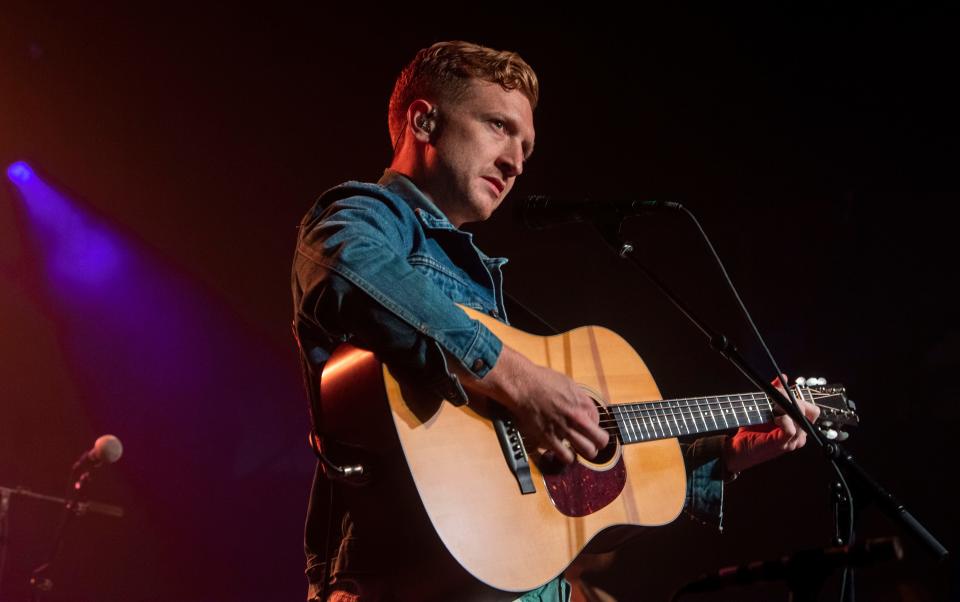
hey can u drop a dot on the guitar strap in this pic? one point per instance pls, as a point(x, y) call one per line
point(309, 374)
point(318, 573)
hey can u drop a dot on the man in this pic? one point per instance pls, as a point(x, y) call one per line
point(382, 266)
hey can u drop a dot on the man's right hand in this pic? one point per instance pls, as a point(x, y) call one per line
point(550, 408)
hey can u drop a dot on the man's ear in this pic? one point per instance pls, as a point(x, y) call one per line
point(422, 120)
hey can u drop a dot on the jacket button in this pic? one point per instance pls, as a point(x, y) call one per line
point(494, 313)
point(478, 364)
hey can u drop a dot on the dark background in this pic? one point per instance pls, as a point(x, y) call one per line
point(817, 144)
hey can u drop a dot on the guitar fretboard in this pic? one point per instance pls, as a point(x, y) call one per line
point(669, 418)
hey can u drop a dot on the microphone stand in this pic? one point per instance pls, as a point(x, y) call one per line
point(78, 508)
point(610, 231)
point(74, 506)
point(39, 582)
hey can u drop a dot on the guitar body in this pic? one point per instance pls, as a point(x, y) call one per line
point(440, 492)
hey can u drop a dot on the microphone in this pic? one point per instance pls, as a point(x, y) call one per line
point(540, 211)
point(107, 449)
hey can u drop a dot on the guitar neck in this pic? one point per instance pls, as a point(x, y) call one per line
point(649, 421)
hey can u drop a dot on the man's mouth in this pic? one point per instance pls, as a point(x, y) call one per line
point(497, 184)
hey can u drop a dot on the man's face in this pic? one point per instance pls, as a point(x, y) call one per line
point(478, 151)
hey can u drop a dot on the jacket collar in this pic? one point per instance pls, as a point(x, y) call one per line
point(429, 213)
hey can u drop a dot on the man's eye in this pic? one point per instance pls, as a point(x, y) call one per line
point(498, 124)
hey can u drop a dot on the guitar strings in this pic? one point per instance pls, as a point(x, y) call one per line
point(648, 424)
point(681, 424)
point(641, 417)
point(627, 411)
point(642, 421)
point(692, 408)
point(696, 402)
point(730, 419)
point(651, 414)
point(644, 426)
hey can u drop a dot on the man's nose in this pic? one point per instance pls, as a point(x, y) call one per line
point(510, 161)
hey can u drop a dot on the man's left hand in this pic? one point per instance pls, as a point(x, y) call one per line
point(752, 445)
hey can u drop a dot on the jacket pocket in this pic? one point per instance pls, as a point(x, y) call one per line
point(453, 282)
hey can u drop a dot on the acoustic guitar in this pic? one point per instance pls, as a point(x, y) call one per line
point(454, 488)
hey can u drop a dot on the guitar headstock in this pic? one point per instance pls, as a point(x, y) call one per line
point(837, 412)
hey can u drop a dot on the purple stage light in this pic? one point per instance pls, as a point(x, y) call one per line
point(19, 172)
point(80, 248)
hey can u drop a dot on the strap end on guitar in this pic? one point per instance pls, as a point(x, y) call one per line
point(346, 472)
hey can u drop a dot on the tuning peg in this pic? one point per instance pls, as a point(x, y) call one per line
point(800, 381)
point(843, 436)
point(830, 434)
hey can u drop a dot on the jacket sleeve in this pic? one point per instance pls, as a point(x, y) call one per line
point(705, 481)
point(352, 282)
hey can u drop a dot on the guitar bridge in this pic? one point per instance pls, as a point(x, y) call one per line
point(513, 450)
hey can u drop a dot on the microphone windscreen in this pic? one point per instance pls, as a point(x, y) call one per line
point(107, 449)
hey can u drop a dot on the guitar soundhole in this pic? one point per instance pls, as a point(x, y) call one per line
point(608, 423)
point(549, 464)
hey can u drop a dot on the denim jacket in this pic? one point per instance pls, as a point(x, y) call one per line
point(380, 265)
